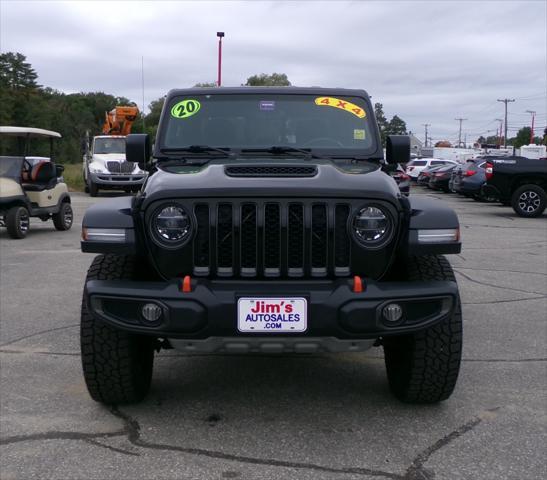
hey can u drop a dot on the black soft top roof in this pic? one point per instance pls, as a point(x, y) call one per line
point(269, 91)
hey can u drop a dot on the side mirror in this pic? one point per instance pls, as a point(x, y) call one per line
point(137, 149)
point(59, 169)
point(397, 149)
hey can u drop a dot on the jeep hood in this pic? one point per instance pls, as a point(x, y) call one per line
point(333, 180)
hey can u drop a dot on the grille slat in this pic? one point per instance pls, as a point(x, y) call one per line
point(120, 167)
point(286, 238)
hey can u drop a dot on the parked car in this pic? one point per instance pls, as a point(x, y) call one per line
point(277, 249)
point(414, 167)
point(425, 175)
point(30, 186)
point(402, 179)
point(439, 179)
point(470, 178)
point(519, 182)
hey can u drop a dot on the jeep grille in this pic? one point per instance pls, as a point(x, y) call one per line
point(271, 239)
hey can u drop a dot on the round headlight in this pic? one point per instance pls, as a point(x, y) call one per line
point(372, 227)
point(171, 226)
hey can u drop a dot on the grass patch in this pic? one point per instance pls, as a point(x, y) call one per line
point(73, 177)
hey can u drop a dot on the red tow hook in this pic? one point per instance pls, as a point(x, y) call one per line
point(186, 284)
point(358, 285)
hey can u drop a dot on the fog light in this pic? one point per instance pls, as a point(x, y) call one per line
point(393, 312)
point(151, 312)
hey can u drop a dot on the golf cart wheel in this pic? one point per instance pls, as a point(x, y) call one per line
point(64, 218)
point(529, 201)
point(17, 222)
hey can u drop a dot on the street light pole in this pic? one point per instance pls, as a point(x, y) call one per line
point(219, 35)
point(532, 131)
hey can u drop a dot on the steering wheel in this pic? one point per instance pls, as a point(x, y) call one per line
point(321, 141)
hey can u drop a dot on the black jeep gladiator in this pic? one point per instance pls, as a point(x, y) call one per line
point(267, 226)
point(519, 182)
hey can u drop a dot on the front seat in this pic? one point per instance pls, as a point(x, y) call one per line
point(43, 176)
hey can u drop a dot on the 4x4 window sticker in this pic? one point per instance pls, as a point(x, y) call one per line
point(185, 108)
point(342, 105)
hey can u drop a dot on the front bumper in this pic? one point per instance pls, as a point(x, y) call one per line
point(106, 180)
point(210, 308)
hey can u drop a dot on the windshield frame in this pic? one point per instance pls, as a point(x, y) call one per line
point(372, 151)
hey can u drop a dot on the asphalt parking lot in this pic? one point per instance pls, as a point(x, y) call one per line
point(268, 417)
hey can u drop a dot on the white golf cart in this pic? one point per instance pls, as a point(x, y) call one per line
point(31, 186)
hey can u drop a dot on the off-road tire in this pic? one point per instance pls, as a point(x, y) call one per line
point(93, 189)
point(62, 220)
point(117, 365)
point(529, 201)
point(17, 222)
point(423, 367)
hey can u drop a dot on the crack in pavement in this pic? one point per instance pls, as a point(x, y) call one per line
point(134, 438)
point(110, 447)
point(459, 267)
point(38, 333)
point(486, 284)
point(417, 470)
point(494, 302)
point(62, 436)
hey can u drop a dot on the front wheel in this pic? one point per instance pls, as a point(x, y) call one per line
point(64, 217)
point(17, 222)
point(423, 367)
point(529, 201)
point(93, 188)
point(117, 365)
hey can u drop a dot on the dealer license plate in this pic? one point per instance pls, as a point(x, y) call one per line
point(272, 315)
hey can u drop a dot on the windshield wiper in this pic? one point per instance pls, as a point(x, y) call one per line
point(280, 149)
point(198, 149)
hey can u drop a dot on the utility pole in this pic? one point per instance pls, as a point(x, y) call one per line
point(532, 132)
point(498, 133)
point(460, 134)
point(426, 125)
point(506, 101)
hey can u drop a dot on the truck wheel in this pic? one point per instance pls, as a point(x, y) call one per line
point(117, 365)
point(64, 218)
point(423, 367)
point(529, 200)
point(17, 222)
point(93, 188)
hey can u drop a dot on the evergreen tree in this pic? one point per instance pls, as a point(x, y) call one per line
point(265, 80)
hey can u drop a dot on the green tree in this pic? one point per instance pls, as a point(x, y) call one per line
point(16, 72)
point(396, 126)
point(523, 138)
point(265, 80)
point(205, 84)
point(381, 120)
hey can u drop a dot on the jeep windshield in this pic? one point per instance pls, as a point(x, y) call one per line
point(267, 124)
point(109, 145)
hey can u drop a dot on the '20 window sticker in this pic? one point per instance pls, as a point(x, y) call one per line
point(185, 108)
point(341, 104)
